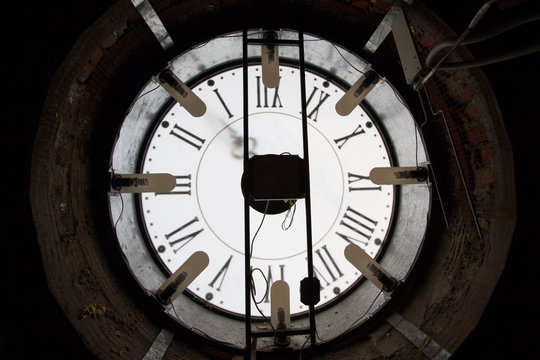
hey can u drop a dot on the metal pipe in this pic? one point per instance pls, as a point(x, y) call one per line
point(479, 15)
point(483, 35)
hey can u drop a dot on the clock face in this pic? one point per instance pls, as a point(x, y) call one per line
point(205, 211)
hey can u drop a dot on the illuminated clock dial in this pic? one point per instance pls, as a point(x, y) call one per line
point(205, 210)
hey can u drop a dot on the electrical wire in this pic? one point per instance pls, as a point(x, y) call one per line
point(284, 225)
point(200, 332)
point(303, 347)
point(262, 299)
point(119, 216)
point(253, 290)
point(365, 312)
point(397, 97)
point(350, 327)
point(347, 61)
point(258, 229)
point(146, 93)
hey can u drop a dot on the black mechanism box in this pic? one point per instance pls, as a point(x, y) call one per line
point(275, 177)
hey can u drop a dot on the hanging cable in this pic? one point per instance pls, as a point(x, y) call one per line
point(497, 58)
point(479, 15)
point(253, 290)
point(289, 215)
point(258, 229)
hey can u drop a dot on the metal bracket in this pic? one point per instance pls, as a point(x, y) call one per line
point(382, 31)
point(406, 49)
point(160, 345)
point(154, 23)
point(420, 339)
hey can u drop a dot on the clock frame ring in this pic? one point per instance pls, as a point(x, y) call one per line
point(75, 242)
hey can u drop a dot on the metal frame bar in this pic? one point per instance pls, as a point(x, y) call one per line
point(273, 42)
point(247, 250)
point(296, 331)
point(424, 343)
point(155, 24)
point(309, 245)
point(382, 31)
point(250, 334)
point(405, 46)
point(425, 97)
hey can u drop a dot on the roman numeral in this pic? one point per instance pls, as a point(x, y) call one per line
point(270, 280)
point(223, 103)
point(353, 178)
point(221, 274)
point(185, 239)
point(183, 186)
point(359, 224)
point(263, 95)
point(322, 98)
point(343, 140)
point(187, 137)
point(331, 269)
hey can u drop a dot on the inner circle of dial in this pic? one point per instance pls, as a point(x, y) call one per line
point(216, 198)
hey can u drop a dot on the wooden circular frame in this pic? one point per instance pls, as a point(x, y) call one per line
point(471, 156)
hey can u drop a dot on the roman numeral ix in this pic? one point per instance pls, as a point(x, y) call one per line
point(314, 113)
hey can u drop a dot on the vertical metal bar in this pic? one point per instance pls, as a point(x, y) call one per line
point(247, 249)
point(437, 189)
point(456, 158)
point(307, 187)
point(458, 163)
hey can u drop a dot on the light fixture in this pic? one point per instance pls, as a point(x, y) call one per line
point(181, 93)
point(139, 183)
point(180, 280)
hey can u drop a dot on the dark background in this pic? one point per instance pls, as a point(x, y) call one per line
point(35, 40)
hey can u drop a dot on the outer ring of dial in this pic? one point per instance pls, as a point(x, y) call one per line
point(410, 223)
point(200, 79)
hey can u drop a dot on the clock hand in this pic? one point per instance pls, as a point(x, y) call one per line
point(238, 145)
point(238, 140)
